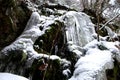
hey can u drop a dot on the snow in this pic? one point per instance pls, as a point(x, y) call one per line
point(112, 2)
point(25, 41)
point(77, 52)
point(54, 57)
point(111, 46)
point(65, 62)
point(93, 65)
point(92, 44)
point(9, 76)
point(66, 72)
point(113, 49)
point(74, 48)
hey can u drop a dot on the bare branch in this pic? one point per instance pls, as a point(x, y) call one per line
point(109, 21)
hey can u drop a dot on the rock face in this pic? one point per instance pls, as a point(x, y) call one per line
point(13, 18)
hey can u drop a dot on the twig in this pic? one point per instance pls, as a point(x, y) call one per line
point(109, 21)
point(117, 46)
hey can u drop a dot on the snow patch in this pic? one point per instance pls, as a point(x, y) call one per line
point(9, 76)
point(54, 57)
point(66, 72)
point(111, 46)
point(112, 2)
point(93, 65)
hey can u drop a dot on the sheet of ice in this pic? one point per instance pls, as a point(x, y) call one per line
point(78, 31)
point(79, 28)
point(9, 76)
point(93, 65)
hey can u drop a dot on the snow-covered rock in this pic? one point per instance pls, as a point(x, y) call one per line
point(98, 58)
point(93, 65)
point(22, 47)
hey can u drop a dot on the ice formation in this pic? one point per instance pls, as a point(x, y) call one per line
point(79, 28)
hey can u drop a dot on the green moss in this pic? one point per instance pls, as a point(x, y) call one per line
point(54, 71)
point(47, 42)
point(24, 57)
point(50, 38)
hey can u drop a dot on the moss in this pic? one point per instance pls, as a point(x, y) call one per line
point(50, 38)
point(24, 57)
point(14, 62)
point(47, 43)
point(54, 71)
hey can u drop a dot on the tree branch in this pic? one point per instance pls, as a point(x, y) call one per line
point(109, 21)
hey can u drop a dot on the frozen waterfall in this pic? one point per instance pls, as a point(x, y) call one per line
point(79, 28)
point(61, 35)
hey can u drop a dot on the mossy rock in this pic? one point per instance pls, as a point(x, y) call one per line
point(51, 38)
point(53, 71)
